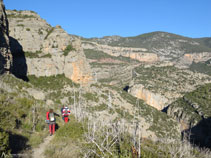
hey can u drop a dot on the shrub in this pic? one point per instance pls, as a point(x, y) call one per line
point(32, 54)
point(46, 56)
point(49, 32)
point(21, 25)
point(4, 143)
point(68, 49)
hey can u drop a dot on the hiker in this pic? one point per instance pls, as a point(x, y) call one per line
point(65, 113)
point(62, 110)
point(51, 120)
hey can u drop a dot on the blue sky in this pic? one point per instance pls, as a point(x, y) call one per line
point(97, 18)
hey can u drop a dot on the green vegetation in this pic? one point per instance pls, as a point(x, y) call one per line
point(68, 140)
point(4, 141)
point(20, 25)
point(54, 86)
point(201, 67)
point(93, 54)
point(161, 124)
point(49, 32)
point(32, 54)
point(164, 79)
point(22, 119)
point(27, 29)
point(163, 39)
point(205, 41)
point(97, 55)
point(46, 56)
point(40, 32)
point(101, 107)
point(68, 49)
point(48, 83)
point(36, 54)
point(91, 96)
point(193, 104)
point(20, 16)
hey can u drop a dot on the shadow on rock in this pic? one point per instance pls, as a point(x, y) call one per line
point(19, 66)
point(2, 61)
point(200, 134)
point(17, 143)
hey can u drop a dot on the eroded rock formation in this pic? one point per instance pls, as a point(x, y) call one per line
point(197, 57)
point(140, 54)
point(74, 66)
point(153, 99)
point(5, 53)
point(45, 47)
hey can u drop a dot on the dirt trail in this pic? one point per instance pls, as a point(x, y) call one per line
point(39, 152)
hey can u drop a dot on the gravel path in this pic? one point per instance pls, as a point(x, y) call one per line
point(39, 152)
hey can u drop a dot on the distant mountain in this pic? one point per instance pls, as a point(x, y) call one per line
point(156, 39)
point(159, 42)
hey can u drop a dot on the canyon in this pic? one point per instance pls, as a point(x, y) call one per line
point(108, 76)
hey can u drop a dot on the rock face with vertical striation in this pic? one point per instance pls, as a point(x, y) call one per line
point(5, 53)
point(154, 99)
point(140, 54)
point(48, 50)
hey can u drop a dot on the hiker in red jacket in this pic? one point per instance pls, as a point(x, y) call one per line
point(65, 114)
point(51, 120)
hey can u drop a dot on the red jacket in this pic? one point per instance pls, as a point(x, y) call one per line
point(47, 115)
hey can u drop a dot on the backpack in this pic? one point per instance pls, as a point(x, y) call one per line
point(51, 117)
point(62, 110)
point(65, 112)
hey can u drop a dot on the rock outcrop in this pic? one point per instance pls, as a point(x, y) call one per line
point(5, 53)
point(197, 57)
point(140, 54)
point(153, 99)
point(28, 26)
point(45, 47)
point(192, 111)
point(74, 66)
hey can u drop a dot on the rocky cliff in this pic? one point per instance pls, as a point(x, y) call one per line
point(198, 57)
point(5, 53)
point(48, 50)
point(154, 99)
point(160, 85)
point(74, 66)
point(193, 112)
point(140, 54)
point(167, 46)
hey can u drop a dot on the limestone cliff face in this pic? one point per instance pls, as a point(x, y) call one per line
point(37, 37)
point(77, 68)
point(140, 54)
point(187, 59)
point(27, 26)
point(155, 100)
point(197, 57)
point(57, 40)
point(5, 53)
point(74, 66)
